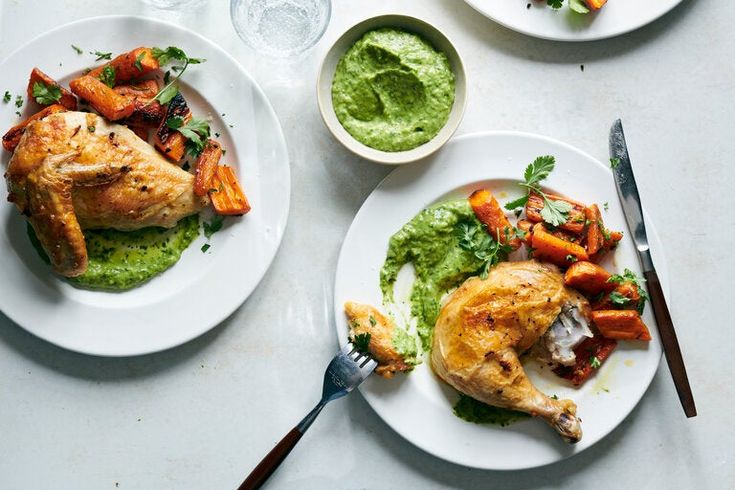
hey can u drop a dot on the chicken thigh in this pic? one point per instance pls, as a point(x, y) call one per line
point(487, 323)
point(73, 171)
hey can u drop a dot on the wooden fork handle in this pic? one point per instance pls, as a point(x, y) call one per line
point(272, 460)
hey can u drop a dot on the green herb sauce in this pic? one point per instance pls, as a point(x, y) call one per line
point(392, 90)
point(431, 242)
point(122, 260)
point(471, 410)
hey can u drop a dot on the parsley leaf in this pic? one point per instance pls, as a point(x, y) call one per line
point(101, 55)
point(614, 163)
point(518, 203)
point(19, 101)
point(7, 97)
point(630, 276)
point(196, 132)
point(46, 94)
point(361, 342)
point(618, 299)
point(108, 76)
point(77, 49)
point(475, 239)
point(165, 56)
point(213, 226)
point(554, 212)
point(595, 362)
point(555, 4)
point(539, 169)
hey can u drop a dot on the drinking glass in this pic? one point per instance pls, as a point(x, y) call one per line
point(280, 28)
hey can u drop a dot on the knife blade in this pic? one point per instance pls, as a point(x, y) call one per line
point(631, 202)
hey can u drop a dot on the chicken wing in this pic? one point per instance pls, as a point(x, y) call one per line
point(487, 323)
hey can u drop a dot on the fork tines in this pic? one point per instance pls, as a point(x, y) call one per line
point(360, 358)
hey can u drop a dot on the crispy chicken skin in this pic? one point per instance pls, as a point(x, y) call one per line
point(487, 323)
point(73, 171)
point(381, 331)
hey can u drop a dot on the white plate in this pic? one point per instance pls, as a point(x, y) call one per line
point(615, 18)
point(419, 406)
point(202, 289)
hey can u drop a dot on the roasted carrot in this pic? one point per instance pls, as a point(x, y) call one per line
point(489, 212)
point(525, 226)
point(67, 98)
point(169, 141)
point(130, 65)
point(575, 219)
point(145, 112)
point(594, 239)
point(12, 137)
point(555, 250)
point(624, 296)
point(595, 4)
point(620, 325)
point(226, 194)
point(105, 100)
point(611, 240)
point(140, 131)
point(589, 278)
point(591, 353)
point(207, 167)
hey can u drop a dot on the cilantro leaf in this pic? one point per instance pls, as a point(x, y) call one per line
point(46, 94)
point(165, 56)
point(595, 362)
point(517, 203)
point(7, 97)
point(213, 226)
point(196, 132)
point(475, 239)
point(555, 212)
point(618, 299)
point(539, 169)
point(361, 342)
point(555, 4)
point(630, 276)
point(108, 76)
point(18, 101)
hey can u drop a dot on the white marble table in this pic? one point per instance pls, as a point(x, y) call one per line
point(201, 416)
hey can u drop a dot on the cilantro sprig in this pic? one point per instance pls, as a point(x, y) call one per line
point(361, 342)
point(630, 276)
point(164, 57)
point(554, 212)
point(46, 94)
point(475, 239)
point(196, 132)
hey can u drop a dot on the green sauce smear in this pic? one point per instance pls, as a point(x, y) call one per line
point(392, 90)
point(431, 242)
point(121, 260)
point(471, 410)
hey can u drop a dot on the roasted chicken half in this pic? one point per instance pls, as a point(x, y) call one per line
point(73, 171)
point(487, 323)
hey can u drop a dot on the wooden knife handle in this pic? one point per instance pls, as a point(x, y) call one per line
point(670, 343)
point(272, 460)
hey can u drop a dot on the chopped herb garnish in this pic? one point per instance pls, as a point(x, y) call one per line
point(108, 76)
point(475, 239)
point(77, 49)
point(618, 299)
point(630, 276)
point(205, 247)
point(605, 206)
point(216, 135)
point(361, 342)
point(224, 152)
point(17, 113)
point(165, 56)
point(555, 4)
point(46, 94)
point(372, 320)
point(554, 212)
point(554, 397)
point(101, 55)
point(18, 101)
point(213, 226)
point(7, 97)
point(196, 132)
point(595, 362)
point(614, 163)
point(571, 258)
point(91, 129)
point(138, 59)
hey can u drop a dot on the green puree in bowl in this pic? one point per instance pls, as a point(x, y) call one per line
point(120, 260)
point(392, 90)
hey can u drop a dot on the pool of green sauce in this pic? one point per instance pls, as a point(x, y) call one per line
point(121, 260)
point(471, 410)
point(392, 90)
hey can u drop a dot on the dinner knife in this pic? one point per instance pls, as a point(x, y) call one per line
point(631, 201)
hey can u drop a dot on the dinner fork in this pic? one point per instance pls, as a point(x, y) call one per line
point(347, 370)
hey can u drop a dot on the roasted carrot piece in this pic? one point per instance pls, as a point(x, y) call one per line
point(555, 250)
point(591, 353)
point(145, 112)
point(489, 212)
point(144, 89)
point(594, 238)
point(611, 240)
point(626, 297)
point(525, 226)
point(67, 98)
point(105, 100)
point(621, 325)
point(575, 221)
point(595, 4)
point(226, 194)
point(169, 141)
point(207, 167)
point(140, 131)
point(589, 278)
point(12, 137)
point(133, 64)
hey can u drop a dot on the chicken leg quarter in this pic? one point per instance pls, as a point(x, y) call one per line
point(487, 323)
point(73, 171)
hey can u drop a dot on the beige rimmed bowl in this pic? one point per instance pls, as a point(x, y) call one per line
point(326, 74)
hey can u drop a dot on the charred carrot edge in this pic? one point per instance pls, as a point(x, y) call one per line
point(105, 100)
point(67, 98)
point(226, 194)
point(596, 347)
point(611, 240)
point(140, 131)
point(627, 290)
point(207, 167)
point(126, 65)
point(575, 221)
point(489, 212)
point(555, 250)
point(12, 137)
point(146, 113)
point(594, 238)
point(589, 278)
point(621, 325)
point(169, 141)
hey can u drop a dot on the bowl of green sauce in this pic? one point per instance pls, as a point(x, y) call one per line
point(392, 89)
